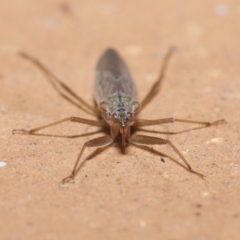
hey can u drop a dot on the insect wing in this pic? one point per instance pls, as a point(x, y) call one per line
point(112, 76)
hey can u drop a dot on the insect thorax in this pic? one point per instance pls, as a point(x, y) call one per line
point(119, 107)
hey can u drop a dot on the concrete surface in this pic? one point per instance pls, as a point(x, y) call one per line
point(120, 196)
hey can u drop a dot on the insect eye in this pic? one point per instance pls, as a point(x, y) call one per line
point(103, 106)
point(136, 106)
point(113, 117)
point(130, 117)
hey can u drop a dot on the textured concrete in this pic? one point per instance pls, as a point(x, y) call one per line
point(120, 196)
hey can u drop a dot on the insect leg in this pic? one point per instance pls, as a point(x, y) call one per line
point(60, 136)
point(147, 140)
point(60, 86)
point(157, 85)
point(145, 122)
point(97, 142)
point(69, 119)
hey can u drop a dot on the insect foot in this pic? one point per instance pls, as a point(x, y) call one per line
point(20, 131)
point(218, 122)
point(68, 179)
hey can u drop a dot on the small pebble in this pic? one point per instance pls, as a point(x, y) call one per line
point(217, 140)
point(221, 9)
point(142, 224)
point(2, 164)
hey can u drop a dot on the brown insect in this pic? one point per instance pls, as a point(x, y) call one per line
point(117, 107)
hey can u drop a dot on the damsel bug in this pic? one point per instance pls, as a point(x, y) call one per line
point(117, 107)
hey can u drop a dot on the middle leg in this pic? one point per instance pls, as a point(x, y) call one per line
point(69, 119)
point(145, 122)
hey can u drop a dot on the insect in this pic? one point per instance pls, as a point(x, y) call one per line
point(117, 107)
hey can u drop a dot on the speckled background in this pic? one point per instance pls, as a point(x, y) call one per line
point(120, 196)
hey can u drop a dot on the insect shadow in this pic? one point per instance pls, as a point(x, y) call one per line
point(116, 109)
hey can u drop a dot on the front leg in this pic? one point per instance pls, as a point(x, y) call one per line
point(147, 140)
point(97, 142)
